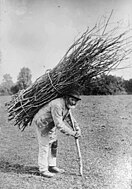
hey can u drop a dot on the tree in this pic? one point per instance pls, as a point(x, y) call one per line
point(14, 89)
point(7, 83)
point(128, 86)
point(24, 78)
point(105, 85)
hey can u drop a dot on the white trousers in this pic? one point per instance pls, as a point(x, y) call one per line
point(45, 157)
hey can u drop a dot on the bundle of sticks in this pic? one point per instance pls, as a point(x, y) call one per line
point(94, 53)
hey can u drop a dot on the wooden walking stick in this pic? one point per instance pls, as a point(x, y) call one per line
point(80, 157)
point(78, 150)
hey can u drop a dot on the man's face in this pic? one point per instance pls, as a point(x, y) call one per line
point(71, 102)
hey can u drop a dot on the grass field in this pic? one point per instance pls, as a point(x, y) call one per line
point(106, 147)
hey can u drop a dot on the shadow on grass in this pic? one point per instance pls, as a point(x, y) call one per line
point(17, 168)
point(7, 167)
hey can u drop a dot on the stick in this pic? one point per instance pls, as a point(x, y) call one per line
point(78, 150)
point(80, 157)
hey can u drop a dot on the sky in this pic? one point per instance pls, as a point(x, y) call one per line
point(37, 33)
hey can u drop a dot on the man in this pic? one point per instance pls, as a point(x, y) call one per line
point(54, 115)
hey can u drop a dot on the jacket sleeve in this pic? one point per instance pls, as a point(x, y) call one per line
point(76, 125)
point(56, 112)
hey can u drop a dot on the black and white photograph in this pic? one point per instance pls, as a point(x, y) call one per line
point(65, 94)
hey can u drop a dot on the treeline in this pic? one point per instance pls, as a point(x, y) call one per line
point(108, 85)
point(103, 85)
point(8, 87)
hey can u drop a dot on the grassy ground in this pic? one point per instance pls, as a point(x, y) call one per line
point(106, 148)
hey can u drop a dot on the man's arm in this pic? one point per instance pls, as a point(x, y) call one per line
point(73, 124)
point(57, 116)
point(76, 125)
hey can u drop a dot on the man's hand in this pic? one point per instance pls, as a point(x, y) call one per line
point(77, 134)
point(78, 129)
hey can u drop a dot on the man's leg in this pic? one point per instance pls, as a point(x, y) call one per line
point(43, 142)
point(53, 155)
point(43, 157)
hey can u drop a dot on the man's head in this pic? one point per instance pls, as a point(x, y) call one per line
point(72, 98)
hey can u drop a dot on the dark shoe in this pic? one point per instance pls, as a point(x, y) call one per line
point(55, 169)
point(46, 174)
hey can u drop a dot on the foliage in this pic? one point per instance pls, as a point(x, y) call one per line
point(15, 89)
point(7, 86)
point(128, 86)
point(105, 85)
point(7, 83)
point(24, 78)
